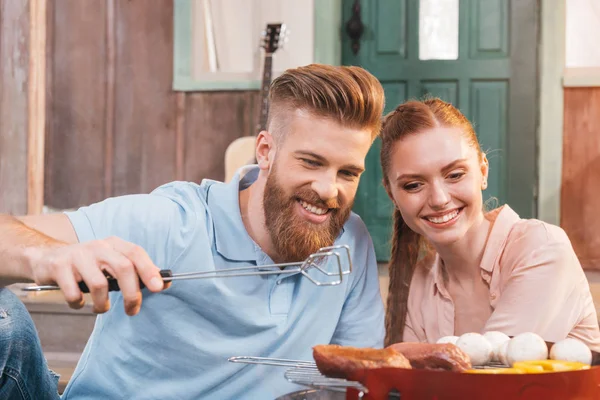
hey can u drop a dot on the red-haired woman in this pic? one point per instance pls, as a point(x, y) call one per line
point(456, 268)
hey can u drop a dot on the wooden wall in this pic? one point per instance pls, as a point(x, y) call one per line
point(580, 193)
point(14, 60)
point(113, 124)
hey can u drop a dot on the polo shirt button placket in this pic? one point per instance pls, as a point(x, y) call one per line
point(280, 299)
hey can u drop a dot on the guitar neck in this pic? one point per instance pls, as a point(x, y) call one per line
point(264, 93)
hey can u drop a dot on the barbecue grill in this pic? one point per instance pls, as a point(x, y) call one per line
point(419, 384)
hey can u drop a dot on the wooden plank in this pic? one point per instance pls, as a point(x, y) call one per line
point(75, 169)
point(180, 136)
point(48, 155)
point(14, 59)
point(581, 173)
point(145, 105)
point(114, 125)
point(36, 106)
point(213, 121)
point(109, 126)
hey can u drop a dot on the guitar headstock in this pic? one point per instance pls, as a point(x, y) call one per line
point(273, 37)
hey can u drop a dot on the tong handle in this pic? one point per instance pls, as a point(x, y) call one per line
point(113, 284)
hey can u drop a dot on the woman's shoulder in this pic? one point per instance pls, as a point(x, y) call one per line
point(534, 242)
point(531, 233)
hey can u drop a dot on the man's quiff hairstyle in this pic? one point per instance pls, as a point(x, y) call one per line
point(348, 95)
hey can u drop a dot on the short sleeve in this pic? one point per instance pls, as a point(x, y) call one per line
point(362, 321)
point(161, 222)
point(545, 290)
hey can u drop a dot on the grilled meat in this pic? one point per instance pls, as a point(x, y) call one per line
point(337, 361)
point(444, 356)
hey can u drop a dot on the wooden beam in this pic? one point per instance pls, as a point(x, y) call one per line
point(14, 39)
point(180, 136)
point(36, 118)
point(109, 122)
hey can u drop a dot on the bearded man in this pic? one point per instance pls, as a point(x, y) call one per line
point(296, 200)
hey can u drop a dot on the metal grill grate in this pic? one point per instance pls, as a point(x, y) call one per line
point(310, 376)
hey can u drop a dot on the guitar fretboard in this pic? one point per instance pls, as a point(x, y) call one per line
point(264, 93)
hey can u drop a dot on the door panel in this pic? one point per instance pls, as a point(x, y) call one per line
point(488, 113)
point(489, 29)
point(447, 91)
point(492, 82)
point(391, 12)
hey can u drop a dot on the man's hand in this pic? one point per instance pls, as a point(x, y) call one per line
point(67, 265)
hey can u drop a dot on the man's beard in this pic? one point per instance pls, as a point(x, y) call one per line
point(293, 238)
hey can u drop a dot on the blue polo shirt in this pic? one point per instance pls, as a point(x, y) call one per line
point(178, 346)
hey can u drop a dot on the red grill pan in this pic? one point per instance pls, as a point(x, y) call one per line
point(445, 385)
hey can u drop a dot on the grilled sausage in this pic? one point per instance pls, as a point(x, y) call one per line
point(337, 361)
point(444, 356)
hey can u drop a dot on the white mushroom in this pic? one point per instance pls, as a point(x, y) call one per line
point(447, 339)
point(526, 346)
point(571, 349)
point(476, 346)
point(502, 353)
point(496, 339)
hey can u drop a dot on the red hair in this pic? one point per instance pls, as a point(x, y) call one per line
point(349, 95)
point(407, 246)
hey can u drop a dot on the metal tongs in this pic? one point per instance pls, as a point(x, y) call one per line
point(312, 263)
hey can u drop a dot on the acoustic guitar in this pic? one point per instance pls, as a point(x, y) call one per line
point(242, 151)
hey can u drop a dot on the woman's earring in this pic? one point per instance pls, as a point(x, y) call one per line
point(484, 184)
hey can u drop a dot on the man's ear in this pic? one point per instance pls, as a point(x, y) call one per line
point(265, 150)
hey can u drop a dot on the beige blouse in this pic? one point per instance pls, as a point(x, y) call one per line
point(536, 285)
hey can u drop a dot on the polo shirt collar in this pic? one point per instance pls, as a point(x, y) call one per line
point(231, 238)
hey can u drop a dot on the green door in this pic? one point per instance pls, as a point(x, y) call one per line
point(491, 79)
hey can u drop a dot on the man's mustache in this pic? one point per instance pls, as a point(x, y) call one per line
point(314, 199)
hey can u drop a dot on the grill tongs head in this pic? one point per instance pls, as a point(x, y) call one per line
point(326, 267)
point(303, 373)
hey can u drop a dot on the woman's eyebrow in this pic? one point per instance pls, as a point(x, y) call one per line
point(453, 164)
point(445, 169)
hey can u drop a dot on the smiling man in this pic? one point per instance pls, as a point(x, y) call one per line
point(298, 198)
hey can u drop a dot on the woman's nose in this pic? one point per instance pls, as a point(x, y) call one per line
point(439, 196)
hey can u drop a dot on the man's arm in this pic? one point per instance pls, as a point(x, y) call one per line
point(56, 226)
point(19, 235)
point(45, 249)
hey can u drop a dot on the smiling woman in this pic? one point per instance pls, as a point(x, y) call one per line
point(455, 268)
